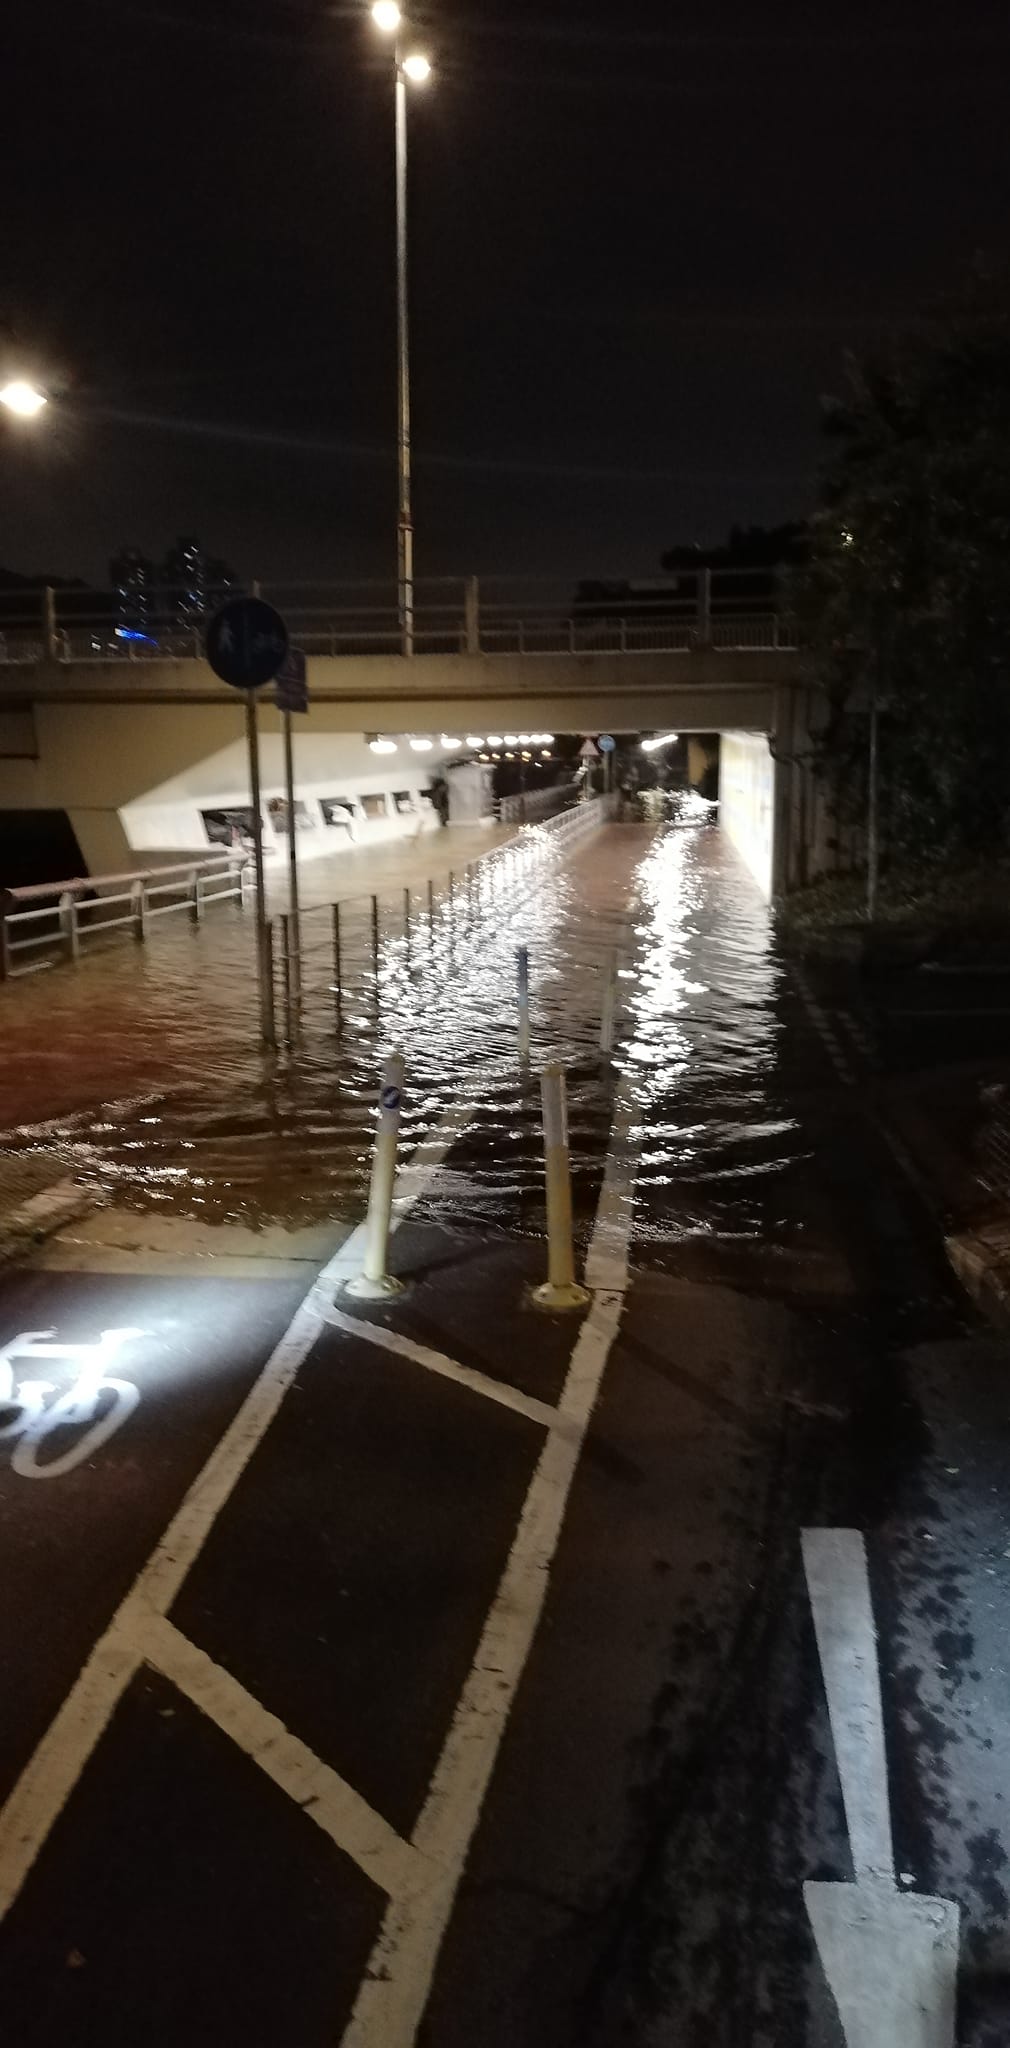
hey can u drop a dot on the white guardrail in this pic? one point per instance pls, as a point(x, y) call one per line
point(60, 918)
point(336, 948)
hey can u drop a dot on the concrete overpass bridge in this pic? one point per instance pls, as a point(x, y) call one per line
point(137, 743)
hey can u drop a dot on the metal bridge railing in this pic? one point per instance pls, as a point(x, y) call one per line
point(729, 609)
point(51, 920)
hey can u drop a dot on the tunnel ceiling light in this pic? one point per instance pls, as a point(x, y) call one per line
point(451, 745)
point(386, 15)
point(526, 739)
point(494, 739)
point(661, 739)
point(511, 739)
point(380, 746)
point(473, 741)
point(546, 752)
point(422, 746)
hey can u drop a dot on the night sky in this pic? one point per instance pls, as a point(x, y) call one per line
point(642, 240)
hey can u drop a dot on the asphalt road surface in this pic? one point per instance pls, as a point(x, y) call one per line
point(459, 1674)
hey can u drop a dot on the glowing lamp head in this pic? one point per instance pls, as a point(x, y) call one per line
point(417, 68)
point(386, 15)
point(23, 398)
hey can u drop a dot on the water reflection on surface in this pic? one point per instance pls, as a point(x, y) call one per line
point(143, 1070)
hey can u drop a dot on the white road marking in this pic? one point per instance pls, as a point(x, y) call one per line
point(394, 1993)
point(321, 1793)
point(50, 1776)
point(500, 1391)
point(890, 1957)
point(839, 1588)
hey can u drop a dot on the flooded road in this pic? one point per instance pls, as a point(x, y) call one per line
point(140, 1070)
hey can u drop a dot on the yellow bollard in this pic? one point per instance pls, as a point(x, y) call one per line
point(374, 1282)
point(561, 1289)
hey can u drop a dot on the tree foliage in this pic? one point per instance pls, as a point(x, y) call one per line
point(907, 590)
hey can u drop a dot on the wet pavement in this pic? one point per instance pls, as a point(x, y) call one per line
point(469, 1690)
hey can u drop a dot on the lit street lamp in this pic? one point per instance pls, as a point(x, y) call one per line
point(414, 67)
point(23, 398)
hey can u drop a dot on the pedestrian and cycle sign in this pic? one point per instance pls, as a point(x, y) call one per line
point(606, 743)
point(246, 643)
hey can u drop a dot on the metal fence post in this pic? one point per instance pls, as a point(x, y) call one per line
point(406, 921)
point(50, 640)
point(196, 896)
point(523, 979)
point(138, 907)
point(704, 619)
point(471, 610)
point(375, 944)
point(338, 962)
point(286, 977)
point(68, 925)
point(609, 1007)
point(268, 1015)
point(5, 948)
point(431, 912)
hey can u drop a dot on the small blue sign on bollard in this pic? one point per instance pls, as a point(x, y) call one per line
point(246, 643)
point(606, 743)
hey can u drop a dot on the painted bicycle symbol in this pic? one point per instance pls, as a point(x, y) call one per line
point(95, 1403)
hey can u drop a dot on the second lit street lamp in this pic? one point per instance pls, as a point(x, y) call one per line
point(411, 67)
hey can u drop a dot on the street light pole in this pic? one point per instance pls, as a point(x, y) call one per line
point(410, 67)
point(405, 516)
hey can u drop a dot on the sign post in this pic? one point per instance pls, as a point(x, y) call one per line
point(291, 694)
point(246, 643)
point(607, 745)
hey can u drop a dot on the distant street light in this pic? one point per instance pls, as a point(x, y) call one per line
point(23, 398)
point(415, 67)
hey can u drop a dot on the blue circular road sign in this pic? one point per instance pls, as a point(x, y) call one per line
point(246, 643)
point(606, 743)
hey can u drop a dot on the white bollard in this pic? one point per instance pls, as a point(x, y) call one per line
point(374, 1282)
point(561, 1289)
point(523, 978)
point(608, 1012)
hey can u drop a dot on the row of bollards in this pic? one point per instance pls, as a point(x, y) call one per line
point(561, 1289)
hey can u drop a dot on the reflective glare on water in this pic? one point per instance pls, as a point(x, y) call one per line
point(142, 1070)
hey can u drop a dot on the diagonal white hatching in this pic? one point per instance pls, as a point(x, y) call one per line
point(393, 1996)
point(51, 1774)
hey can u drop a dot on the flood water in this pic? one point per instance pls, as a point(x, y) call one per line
point(140, 1069)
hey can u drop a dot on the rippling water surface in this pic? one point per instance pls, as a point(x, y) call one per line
point(141, 1067)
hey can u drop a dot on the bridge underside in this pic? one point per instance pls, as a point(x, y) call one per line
point(101, 743)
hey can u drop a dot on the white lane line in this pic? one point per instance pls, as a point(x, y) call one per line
point(321, 1793)
point(890, 1957)
point(839, 1587)
point(50, 1776)
point(395, 1990)
point(500, 1391)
